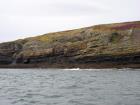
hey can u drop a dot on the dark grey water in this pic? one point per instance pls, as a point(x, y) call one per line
point(63, 87)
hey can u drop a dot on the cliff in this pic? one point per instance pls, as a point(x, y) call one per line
point(108, 45)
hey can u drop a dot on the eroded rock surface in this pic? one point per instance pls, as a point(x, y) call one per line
point(109, 43)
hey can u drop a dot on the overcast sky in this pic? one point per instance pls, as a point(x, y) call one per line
point(25, 18)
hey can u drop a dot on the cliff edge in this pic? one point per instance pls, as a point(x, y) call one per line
point(99, 46)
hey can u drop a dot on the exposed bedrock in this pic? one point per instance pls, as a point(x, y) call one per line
point(110, 43)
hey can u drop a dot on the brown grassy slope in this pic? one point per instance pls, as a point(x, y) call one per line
point(118, 39)
point(106, 39)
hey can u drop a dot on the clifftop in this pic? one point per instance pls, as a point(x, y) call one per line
point(117, 43)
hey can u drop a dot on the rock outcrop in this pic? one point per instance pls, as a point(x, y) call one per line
point(109, 44)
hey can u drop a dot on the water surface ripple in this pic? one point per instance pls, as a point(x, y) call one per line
point(69, 87)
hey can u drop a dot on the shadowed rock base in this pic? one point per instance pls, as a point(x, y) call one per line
point(122, 61)
point(66, 66)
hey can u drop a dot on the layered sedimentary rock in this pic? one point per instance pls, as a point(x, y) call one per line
point(101, 44)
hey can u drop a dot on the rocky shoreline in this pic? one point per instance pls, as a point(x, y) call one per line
point(102, 46)
point(71, 66)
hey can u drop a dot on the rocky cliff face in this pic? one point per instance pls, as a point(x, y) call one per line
point(110, 43)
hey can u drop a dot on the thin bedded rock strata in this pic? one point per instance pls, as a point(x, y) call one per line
point(100, 46)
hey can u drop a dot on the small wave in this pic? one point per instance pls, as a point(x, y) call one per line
point(79, 69)
point(74, 86)
point(73, 69)
point(54, 96)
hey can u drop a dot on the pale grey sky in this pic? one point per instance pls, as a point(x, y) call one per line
point(26, 18)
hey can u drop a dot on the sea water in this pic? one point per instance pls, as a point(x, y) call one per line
point(69, 87)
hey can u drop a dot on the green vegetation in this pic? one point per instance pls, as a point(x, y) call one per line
point(115, 37)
